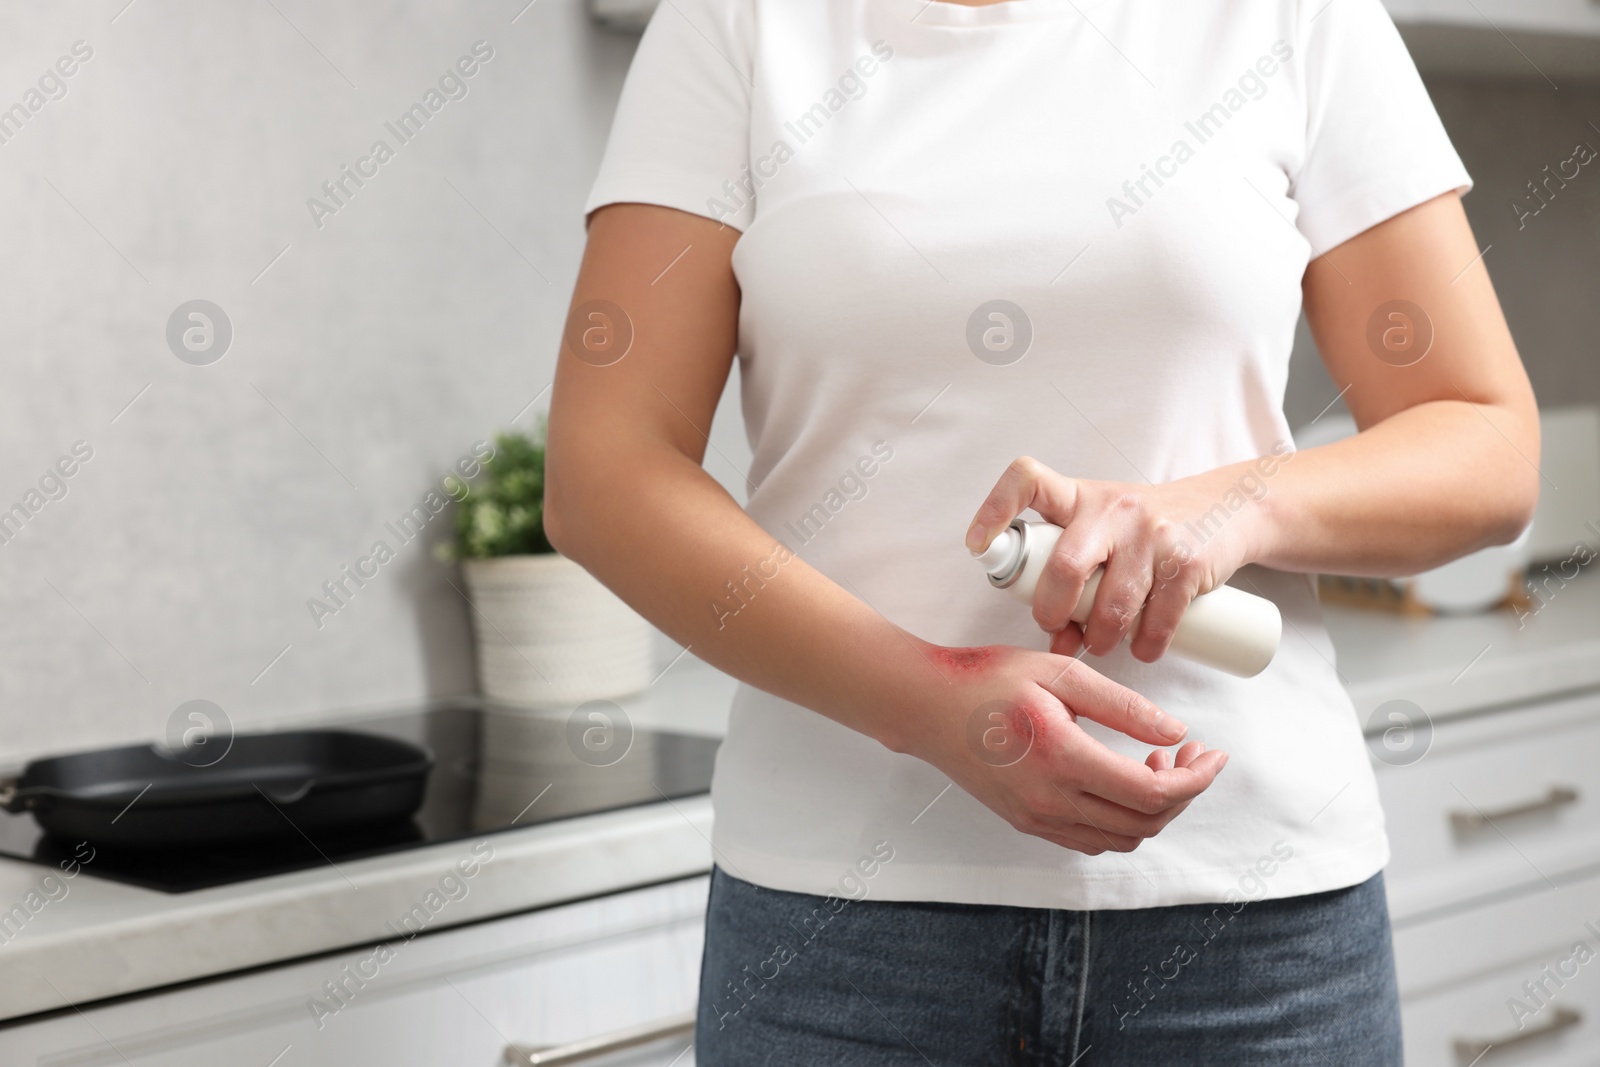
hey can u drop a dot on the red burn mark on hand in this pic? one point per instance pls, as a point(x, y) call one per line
point(1029, 722)
point(964, 660)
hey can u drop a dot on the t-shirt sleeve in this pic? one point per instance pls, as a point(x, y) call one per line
point(1374, 143)
point(680, 137)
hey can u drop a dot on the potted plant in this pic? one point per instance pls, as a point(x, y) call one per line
point(548, 633)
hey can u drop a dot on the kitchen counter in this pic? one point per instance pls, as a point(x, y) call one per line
point(1449, 666)
point(105, 939)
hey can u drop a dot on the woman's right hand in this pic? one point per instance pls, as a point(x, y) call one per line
point(1003, 725)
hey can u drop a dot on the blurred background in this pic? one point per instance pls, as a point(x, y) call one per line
point(372, 346)
point(237, 348)
point(368, 353)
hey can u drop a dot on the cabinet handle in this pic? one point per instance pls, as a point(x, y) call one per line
point(593, 1047)
point(1472, 1050)
point(1558, 796)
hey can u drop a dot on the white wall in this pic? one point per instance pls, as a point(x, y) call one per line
point(365, 361)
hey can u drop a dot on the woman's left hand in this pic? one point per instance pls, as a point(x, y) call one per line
point(1161, 546)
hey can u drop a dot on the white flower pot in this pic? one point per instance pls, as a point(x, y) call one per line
point(548, 633)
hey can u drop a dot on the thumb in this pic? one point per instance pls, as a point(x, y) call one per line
point(1091, 694)
point(1068, 641)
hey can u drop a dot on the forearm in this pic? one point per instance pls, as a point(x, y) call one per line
point(671, 542)
point(1448, 460)
point(1422, 487)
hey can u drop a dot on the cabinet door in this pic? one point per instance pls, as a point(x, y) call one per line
point(1517, 983)
point(1545, 16)
point(1499, 801)
point(456, 998)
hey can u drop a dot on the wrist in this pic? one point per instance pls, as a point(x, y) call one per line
point(1241, 496)
point(912, 680)
point(1270, 515)
point(879, 683)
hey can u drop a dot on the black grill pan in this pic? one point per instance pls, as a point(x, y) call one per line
point(301, 782)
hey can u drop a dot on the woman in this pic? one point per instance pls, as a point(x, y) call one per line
point(940, 236)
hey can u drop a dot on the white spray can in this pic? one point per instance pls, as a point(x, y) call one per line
point(1226, 628)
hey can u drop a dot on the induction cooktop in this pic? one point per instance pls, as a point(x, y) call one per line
point(495, 769)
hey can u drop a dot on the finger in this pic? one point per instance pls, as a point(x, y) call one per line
point(1076, 555)
point(1091, 842)
point(1189, 753)
point(1164, 793)
point(1085, 691)
point(1120, 780)
point(1026, 483)
point(1121, 595)
point(1068, 641)
point(1117, 820)
point(1176, 583)
point(1159, 760)
point(1076, 844)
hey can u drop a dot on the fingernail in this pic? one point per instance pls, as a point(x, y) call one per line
point(1171, 728)
point(976, 536)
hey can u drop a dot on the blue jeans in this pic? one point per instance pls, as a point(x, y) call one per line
point(789, 978)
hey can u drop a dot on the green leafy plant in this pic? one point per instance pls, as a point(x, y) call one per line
point(503, 515)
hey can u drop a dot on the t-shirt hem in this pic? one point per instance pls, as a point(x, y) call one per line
point(664, 189)
point(1111, 889)
point(1364, 207)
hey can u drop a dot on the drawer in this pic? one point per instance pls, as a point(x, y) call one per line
point(1451, 1029)
point(1498, 801)
point(584, 972)
point(1556, 1026)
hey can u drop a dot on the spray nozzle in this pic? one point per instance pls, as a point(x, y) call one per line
point(1001, 555)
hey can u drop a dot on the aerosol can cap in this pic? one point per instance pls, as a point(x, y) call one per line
point(1003, 554)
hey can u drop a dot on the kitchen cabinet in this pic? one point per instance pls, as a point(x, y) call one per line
point(1494, 886)
point(1575, 17)
point(1539, 16)
point(1496, 800)
point(553, 977)
point(1507, 983)
point(1549, 41)
point(1544, 42)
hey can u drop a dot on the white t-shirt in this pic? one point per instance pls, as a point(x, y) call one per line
point(1146, 181)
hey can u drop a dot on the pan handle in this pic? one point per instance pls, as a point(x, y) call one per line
point(288, 794)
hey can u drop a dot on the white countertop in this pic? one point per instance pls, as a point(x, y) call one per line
point(105, 938)
point(1449, 666)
